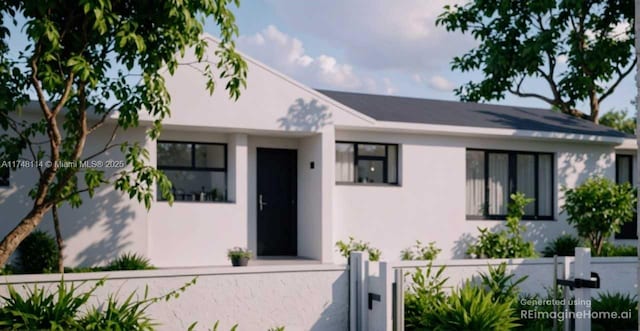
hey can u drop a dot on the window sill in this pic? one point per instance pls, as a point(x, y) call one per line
point(198, 202)
point(368, 184)
point(472, 219)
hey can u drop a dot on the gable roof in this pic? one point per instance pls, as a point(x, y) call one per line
point(440, 112)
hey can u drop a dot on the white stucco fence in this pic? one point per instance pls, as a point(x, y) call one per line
point(617, 274)
point(306, 297)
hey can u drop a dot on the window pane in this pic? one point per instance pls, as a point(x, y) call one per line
point(392, 162)
point(344, 163)
point(545, 185)
point(4, 176)
point(197, 185)
point(371, 150)
point(475, 183)
point(498, 183)
point(174, 154)
point(370, 171)
point(210, 156)
point(623, 165)
point(525, 179)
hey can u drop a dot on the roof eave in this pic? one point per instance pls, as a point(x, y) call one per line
point(467, 131)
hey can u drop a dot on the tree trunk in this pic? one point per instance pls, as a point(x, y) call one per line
point(594, 105)
point(59, 240)
point(21, 231)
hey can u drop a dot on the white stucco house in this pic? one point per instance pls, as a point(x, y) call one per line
point(288, 170)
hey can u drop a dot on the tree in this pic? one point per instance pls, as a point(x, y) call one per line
point(598, 208)
point(78, 61)
point(581, 49)
point(618, 120)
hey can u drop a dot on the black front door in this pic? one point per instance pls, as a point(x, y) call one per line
point(277, 191)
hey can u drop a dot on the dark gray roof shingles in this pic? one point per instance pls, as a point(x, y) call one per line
point(426, 111)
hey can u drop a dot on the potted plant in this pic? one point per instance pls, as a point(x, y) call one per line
point(239, 256)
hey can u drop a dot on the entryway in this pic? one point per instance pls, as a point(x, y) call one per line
point(276, 202)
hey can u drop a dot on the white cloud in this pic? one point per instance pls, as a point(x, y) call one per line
point(388, 86)
point(378, 34)
point(441, 84)
point(287, 54)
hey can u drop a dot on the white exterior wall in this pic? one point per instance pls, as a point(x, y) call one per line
point(96, 232)
point(429, 204)
point(192, 233)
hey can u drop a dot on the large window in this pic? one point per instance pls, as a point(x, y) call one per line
point(366, 163)
point(624, 174)
point(198, 171)
point(4, 176)
point(492, 176)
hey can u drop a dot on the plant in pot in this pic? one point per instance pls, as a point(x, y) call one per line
point(239, 256)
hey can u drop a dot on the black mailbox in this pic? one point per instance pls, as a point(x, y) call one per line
point(593, 282)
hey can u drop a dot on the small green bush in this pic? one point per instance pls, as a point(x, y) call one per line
point(472, 308)
point(65, 309)
point(421, 252)
point(44, 310)
point(129, 261)
point(345, 249)
point(502, 286)
point(598, 208)
point(562, 246)
point(609, 249)
point(38, 253)
point(506, 243)
point(424, 293)
point(622, 305)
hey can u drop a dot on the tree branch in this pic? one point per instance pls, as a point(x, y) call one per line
point(621, 76)
point(14, 127)
point(104, 118)
point(519, 93)
point(107, 146)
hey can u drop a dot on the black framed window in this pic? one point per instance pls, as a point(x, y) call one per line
point(624, 174)
point(4, 176)
point(493, 175)
point(360, 162)
point(198, 171)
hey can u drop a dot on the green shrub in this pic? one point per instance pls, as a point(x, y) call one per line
point(421, 252)
point(622, 305)
point(424, 293)
point(41, 309)
point(38, 253)
point(598, 208)
point(128, 315)
point(352, 245)
point(506, 243)
point(472, 308)
point(129, 261)
point(502, 286)
point(609, 249)
point(531, 303)
point(562, 246)
point(65, 309)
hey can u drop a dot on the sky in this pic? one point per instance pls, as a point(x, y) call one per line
point(370, 46)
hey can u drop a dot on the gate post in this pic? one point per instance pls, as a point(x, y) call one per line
point(358, 289)
point(583, 294)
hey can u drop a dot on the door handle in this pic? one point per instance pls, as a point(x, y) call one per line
point(261, 203)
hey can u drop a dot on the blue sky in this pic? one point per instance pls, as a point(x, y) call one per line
point(372, 46)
